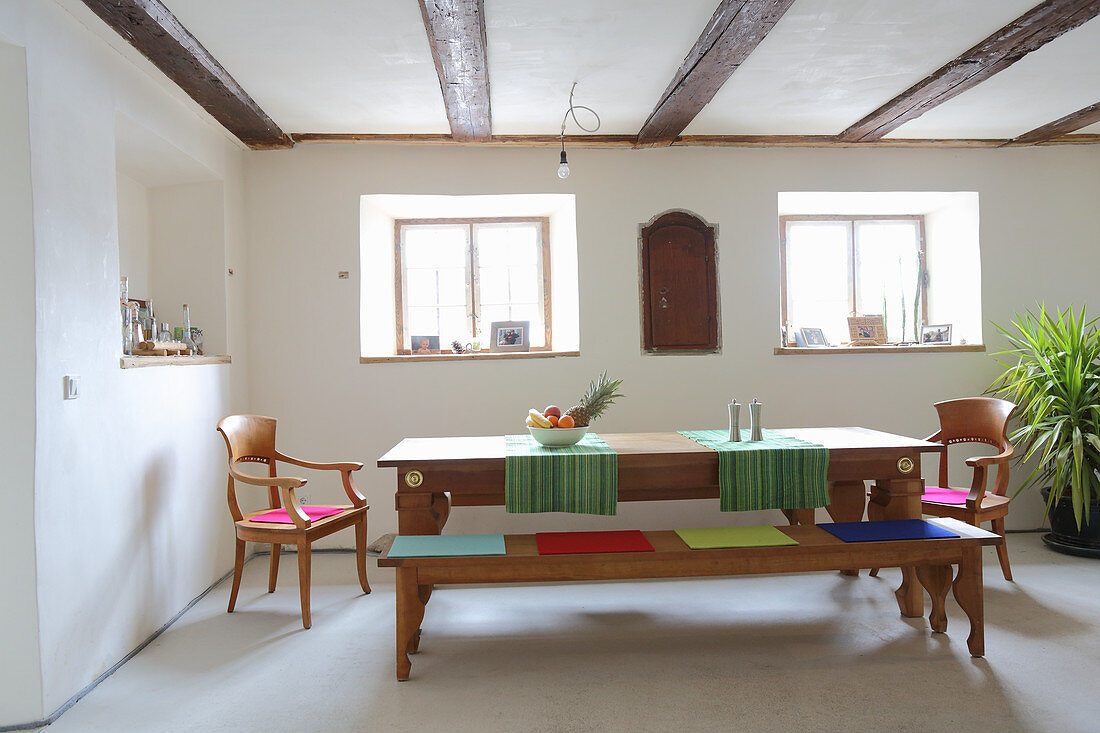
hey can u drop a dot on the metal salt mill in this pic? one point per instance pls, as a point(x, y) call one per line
point(735, 421)
point(757, 430)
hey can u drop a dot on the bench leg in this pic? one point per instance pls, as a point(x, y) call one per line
point(410, 612)
point(936, 579)
point(969, 590)
point(846, 500)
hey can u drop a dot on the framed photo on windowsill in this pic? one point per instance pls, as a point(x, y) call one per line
point(936, 335)
point(813, 337)
point(867, 330)
point(424, 344)
point(510, 336)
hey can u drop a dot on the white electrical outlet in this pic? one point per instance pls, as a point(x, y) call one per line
point(72, 386)
point(303, 499)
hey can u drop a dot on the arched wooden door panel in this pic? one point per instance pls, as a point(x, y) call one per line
point(679, 284)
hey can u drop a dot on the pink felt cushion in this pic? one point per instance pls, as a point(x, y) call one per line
point(944, 496)
point(279, 516)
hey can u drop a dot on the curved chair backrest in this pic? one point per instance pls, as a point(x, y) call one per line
point(975, 420)
point(249, 439)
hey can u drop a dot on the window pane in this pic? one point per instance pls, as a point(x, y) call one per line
point(452, 325)
point(817, 277)
point(494, 285)
point(436, 245)
point(421, 287)
point(530, 313)
point(452, 286)
point(490, 313)
point(886, 274)
point(525, 284)
point(423, 322)
point(507, 244)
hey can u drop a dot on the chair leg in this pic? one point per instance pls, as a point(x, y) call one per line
point(1002, 549)
point(238, 569)
point(361, 552)
point(304, 558)
point(273, 574)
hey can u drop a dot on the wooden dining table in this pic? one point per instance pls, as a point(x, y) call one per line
point(436, 474)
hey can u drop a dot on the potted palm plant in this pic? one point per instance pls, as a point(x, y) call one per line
point(1052, 373)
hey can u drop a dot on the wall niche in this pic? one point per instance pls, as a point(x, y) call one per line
point(171, 234)
point(679, 284)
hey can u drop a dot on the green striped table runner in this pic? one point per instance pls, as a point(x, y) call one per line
point(778, 472)
point(582, 478)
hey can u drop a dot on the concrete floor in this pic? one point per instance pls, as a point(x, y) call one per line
point(815, 652)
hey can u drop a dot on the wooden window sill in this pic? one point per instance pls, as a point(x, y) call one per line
point(887, 349)
point(136, 362)
point(479, 356)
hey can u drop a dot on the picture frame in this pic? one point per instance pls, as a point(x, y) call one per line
point(423, 345)
point(936, 335)
point(813, 338)
point(505, 336)
point(867, 330)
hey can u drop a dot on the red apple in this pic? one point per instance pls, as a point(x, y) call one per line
point(552, 410)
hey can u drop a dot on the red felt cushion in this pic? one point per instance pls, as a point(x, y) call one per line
point(944, 496)
point(571, 543)
point(279, 516)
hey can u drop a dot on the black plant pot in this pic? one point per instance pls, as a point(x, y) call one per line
point(1064, 535)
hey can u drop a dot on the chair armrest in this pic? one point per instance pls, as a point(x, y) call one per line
point(991, 460)
point(286, 486)
point(977, 488)
point(350, 466)
point(282, 482)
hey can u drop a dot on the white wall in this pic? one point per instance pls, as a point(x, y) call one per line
point(1039, 241)
point(134, 233)
point(20, 672)
point(129, 516)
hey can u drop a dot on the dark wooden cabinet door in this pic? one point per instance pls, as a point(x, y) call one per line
point(679, 285)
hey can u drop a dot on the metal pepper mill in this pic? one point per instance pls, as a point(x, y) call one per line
point(757, 430)
point(735, 422)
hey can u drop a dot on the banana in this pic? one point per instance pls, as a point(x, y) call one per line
point(538, 419)
point(531, 423)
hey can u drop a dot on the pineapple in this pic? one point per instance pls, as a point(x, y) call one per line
point(600, 395)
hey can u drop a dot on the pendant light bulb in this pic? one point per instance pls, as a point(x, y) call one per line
point(563, 167)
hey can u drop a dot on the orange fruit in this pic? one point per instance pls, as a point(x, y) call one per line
point(553, 420)
point(566, 421)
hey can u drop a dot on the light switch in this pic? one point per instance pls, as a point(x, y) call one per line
point(72, 386)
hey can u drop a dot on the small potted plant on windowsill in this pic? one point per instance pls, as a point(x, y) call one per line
point(1052, 372)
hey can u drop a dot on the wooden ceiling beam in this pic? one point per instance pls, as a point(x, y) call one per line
point(153, 30)
point(734, 31)
point(1062, 126)
point(456, 34)
point(1030, 31)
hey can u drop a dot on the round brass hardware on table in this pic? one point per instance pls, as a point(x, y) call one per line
point(414, 479)
point(906, 465)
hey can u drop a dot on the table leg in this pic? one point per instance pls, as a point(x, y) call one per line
point(846, 500)
point(936, 579)
point(969, 590)
point(421, 513)
point(900, 499)
point(410, 612)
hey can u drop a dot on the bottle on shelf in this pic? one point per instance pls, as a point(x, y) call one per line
point(186, 338)
point(124, 311)
point(165, 332)
point(137, 334)
point(149, 325)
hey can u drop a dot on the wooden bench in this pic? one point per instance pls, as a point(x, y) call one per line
point(817, 550)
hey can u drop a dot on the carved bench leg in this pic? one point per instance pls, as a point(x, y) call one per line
point(936, 579)
point(410, 612)
point(969, 590)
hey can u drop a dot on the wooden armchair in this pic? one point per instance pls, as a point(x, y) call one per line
point(971, 420)
point(251, 439)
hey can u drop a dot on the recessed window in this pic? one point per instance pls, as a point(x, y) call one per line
point(912, 257)
point(441, 269)
point(455, 277)
point(836, 266)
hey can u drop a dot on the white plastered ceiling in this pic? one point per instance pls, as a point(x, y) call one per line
point(365, 66)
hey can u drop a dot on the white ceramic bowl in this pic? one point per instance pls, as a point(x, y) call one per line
point(558, 437)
